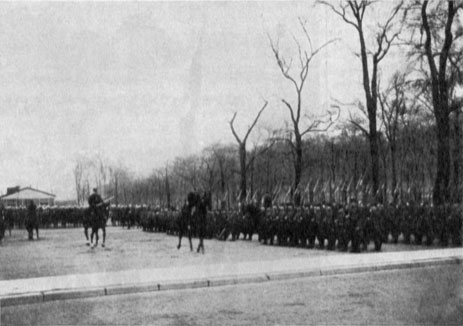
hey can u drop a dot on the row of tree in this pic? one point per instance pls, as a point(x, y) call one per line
point(403, 138)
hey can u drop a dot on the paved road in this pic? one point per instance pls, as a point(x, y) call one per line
point(63, 252)
point(414, 296)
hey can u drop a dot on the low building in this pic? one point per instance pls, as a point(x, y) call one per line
point(16, 197)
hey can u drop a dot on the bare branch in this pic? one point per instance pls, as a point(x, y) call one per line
point(357, 125)
point(284, 68)
point(291, 111)
point(341, 12)
point(328, 123)
point(255, 121)
point(233, 129)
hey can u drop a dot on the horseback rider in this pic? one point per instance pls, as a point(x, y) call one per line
point(98, 208)
point(94, 201)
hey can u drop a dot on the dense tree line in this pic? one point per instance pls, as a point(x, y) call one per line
point(402, 141)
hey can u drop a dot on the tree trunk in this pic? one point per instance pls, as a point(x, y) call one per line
point(393, 166)
point(457, 160)
point(115, 191)
point(298, 161)
point(242, 150)
point(373, 140)
point(441, 186)
point(167, 191)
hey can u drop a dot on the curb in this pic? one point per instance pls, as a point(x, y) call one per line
point(80, 293)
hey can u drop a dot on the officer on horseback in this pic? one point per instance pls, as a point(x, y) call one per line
point(99, 212)
point(94, 200)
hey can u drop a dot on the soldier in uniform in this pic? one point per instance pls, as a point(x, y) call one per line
point(94, 200)
point(455, 225)
point(312, 229)
point(267, 201)
point(330, 225)
point(341, 229)
point(2, 222)
point(31, 221)
point(353, 227)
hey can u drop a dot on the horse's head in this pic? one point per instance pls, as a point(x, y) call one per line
point(193, 199)
point(207, 199)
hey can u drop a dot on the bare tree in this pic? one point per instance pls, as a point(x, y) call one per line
point(301, 124)
point(438, 60)
point(353, 13)
point(242, 150)
point(78, 178)
point(393, 106)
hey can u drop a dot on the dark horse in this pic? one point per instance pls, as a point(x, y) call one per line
point(185, 225)
point(96, 219)
point(193, 218)
point(87, 223)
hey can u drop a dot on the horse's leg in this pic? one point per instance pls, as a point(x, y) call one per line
point(96, 237)
point(30, 233)
point(201, 237)
point(86, 235)
point(180, 235)
point(200, 245)
point(37, 231)
point(92, 234)
point(189, 239)
point(103, 230)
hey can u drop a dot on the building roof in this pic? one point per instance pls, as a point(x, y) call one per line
point(28, 193)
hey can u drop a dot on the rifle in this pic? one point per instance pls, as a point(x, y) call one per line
point(105, 201)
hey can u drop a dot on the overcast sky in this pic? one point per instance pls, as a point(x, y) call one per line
point(143, 83)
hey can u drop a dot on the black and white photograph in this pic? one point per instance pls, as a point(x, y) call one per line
point(231, 162)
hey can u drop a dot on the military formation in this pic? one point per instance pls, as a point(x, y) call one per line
point(49, 217)
point(355, 227)
point(352, 227)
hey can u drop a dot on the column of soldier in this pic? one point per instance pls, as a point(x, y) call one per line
point(343, 220)
point(340, 220)
point(67, 216)
point(49, 216)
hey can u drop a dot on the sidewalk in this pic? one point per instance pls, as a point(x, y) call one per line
point(36, 290)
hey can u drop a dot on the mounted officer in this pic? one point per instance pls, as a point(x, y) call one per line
point(94, 200)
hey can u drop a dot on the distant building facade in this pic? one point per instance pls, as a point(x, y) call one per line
point(17, 197)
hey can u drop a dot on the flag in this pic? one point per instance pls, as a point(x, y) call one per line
point(276, 193)
point(248, 196)
point(285, 199)
point(239, 196)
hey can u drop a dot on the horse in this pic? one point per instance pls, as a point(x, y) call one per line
point(194, 218)
point(87, 223)
point(99, 217)
point(185, 225)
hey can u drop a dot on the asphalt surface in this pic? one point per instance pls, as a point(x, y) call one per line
point(225, 263)
point(38, 290)
point(64, 252)
point(417, 296)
